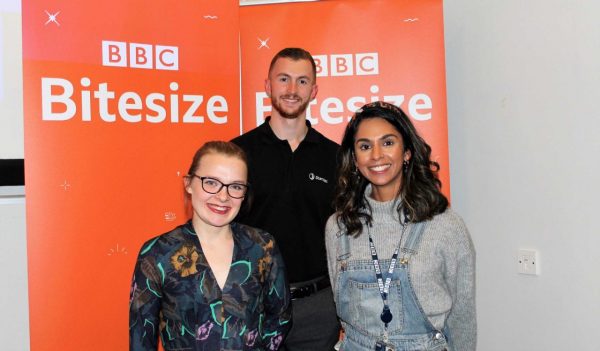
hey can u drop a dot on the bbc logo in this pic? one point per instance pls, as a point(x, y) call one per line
point(362, 64)
point(135, 55)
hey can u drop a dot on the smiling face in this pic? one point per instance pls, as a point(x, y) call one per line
point(216, 210)
point(291, 86)
point(379, 155)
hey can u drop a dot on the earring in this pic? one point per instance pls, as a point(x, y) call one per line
point(405, 166)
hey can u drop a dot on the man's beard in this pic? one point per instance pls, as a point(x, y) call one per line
point(289, 115)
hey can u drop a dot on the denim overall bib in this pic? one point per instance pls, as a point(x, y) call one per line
point(359, 302)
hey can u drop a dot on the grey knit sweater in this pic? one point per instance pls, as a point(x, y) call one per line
point(442, 273)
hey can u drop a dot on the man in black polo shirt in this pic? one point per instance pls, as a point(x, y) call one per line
point(292, 170)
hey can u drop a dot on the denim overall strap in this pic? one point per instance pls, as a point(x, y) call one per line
point(413, 239)
point(416, 322)
point(344, 248)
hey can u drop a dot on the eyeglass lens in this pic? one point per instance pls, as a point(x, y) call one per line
point(213, 186)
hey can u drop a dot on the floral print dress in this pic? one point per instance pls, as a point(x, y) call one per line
point(175, 295)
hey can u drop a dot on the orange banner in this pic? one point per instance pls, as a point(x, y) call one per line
point(365, 50)
point(118, 96)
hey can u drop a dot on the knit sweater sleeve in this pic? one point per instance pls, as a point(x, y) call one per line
point(462, 320)
point(331, 244)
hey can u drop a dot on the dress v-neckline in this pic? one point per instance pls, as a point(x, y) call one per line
point(226, 283)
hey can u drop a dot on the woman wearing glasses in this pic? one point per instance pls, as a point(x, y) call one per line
point(401, 262)
point(210, 284)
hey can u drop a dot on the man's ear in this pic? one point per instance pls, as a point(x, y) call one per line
point(268, 87)
point(313, 93)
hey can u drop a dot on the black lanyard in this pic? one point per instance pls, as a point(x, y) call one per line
point(384, 288)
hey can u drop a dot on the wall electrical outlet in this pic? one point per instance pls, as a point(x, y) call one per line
point(527, 262)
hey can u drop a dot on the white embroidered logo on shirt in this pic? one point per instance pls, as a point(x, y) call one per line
point(313, 176)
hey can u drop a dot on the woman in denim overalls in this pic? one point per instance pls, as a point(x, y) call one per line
point(401, 263)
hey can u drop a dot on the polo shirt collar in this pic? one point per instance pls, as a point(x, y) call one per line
point(311, 136)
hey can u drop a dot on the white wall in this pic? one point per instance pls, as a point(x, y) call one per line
point(523, 81)
point(14, 324)
point(11, 81)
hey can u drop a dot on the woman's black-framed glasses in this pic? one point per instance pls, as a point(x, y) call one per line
point(213, 186)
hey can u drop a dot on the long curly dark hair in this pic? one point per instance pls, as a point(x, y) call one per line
point(420, 188)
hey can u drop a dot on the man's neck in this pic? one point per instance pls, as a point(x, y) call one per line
point(291, 129)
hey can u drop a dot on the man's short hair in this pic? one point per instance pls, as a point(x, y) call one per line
point(294, 54)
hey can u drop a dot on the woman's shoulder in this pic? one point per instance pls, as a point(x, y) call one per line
point(333, 227)
point(449, 226)
point(164, 242)
point(450, 218)
point(256, 235)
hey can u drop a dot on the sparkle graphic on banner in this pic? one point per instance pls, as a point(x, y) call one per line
point(65, 185)
point(170, 216)
point(263, 43)
point(211, 17)
point(118, 250)
point(411, 20)
point(52, 18)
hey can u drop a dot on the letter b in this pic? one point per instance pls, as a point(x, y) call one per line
point(48, 99)
point(321, 63)
point(140, 55)
point(114, 53)
point(341, 65)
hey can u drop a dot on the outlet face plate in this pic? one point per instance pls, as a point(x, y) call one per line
point(527, 262)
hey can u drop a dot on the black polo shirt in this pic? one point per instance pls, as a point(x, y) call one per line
point(292, 195)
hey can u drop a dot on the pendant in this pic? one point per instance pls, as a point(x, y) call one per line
point(386, 315)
